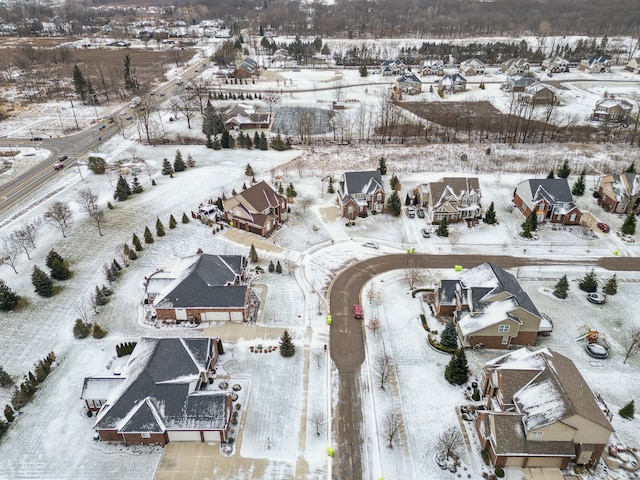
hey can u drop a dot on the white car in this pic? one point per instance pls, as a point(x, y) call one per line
point(123, 112)
point(371, 245)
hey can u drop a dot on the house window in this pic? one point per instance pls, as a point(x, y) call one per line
point(505, 340)
point(536, 435)
point(350, 209)
point(572, 218)
point(379, 197)
point(145, 435)
point(504, 328)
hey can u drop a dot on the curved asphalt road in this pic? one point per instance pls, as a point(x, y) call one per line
point(347, 343)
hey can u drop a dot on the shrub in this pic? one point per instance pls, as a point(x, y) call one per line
point(499, 471)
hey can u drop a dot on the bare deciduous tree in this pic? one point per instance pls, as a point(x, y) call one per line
point(59, 215)
point(89, 201)
point(317, 420)
point(450, 444)
point(371, 293)
point(186, 103)
point(9, 253)
point(25, 237)
point(630, 343)
point(391, 427)
point(382, 369)
point(271, 98)
point(304, 202)
point(373, 325)
point(412, 274)
point(454, 238)
point(317, 354)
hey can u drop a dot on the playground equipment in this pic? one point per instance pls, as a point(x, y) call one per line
point(593, 336)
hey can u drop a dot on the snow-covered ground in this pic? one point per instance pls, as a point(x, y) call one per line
point(52, 437)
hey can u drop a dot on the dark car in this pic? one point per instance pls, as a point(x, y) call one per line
point(603, 227)
point(102, 127)
point(62, 158)
point(36, 139)
point(357, 311)
point(420, 212)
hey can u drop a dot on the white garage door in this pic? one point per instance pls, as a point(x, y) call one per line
point(184, 436)
point(181, 313)
point(236, 316)
point(211, 437)
point(215, 316)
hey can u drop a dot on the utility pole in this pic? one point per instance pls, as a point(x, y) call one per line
point(74, 114)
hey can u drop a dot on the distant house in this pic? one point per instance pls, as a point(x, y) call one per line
point(432, 67)
point(515, 66)
point(517, 83)
point(161, 395)
point(244, 117)
point(540, 412)
point(596, 64)
point(452, 83)
point(392, 67)
point(409, 84)
point(454, 198)
point(620, 193)
point(540, 94)
point(490, 309)
point(207, 287)
point(258, 209)
point(472, 66)
point(613, 110)
point(245, 68)
point(555, 64)
point(550, 198)
point(360, 193)
point(633, 65)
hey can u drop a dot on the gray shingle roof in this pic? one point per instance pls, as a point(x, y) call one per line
point(366, 183)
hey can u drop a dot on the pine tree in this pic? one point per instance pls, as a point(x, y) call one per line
point(291, 191)
point(136, 243)
point(248, 171)
point(172, 223)
point(457, 371)
point(278, 267)
point(281, 189)
point(42, 282)
point(8, 413)
point(631, 168)
point(5, 378)
point(277, 143)
point(449, 337)
point(130, 82)
point(132, 255)
point(564, 171)
point(629, 225)
point(330, 188)
point(580, 185)
point(529, 225)
point(219, 204)
point(394, 182)
point(123, 190)
point(272, 267)
point(99, 298)
point(443, 228)
point(167, 169)
point(79, 84)
point(611, 285)
point(490, 215)
point(178, 163)
point(224, 140)
point(148, 238)
point(81, 329)
point(628, 411)
point(244, 186)
point(394, 206)
point(8, 298)
point(185, 219)
point(256, 140)
point(216, 144)
point(52, 257)
point(59, 271)
point(589, 282)
point(136, 187)
point(551, 175)
point(253, 255)
point(561, 288)
point(407, 200)
point(159, 228)
point(190, 161)
point(263, 144)
point(287, 348)
point(98, 332)
point(248, 143)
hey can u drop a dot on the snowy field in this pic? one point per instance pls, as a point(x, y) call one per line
point(52, 437)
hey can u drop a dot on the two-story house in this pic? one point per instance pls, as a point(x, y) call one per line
point(555, 64)
point(540, 94)
point(392, 67)
point(517, 83)
point(490, 309)
point(258, 209)
point(540, 412)
point(360, 193)
point(596, 64)
point(611, 109)
point(472, 66)
point(515, 66)
point(409, 84)
point(452, 83)
point(454, 198)
point(620, 193)
point(432, 67)
point(550, 198)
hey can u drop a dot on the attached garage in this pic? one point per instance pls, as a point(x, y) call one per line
point(184, 436)
point(211, 437)
point(510, 461)
point(215, 316)
point(543, 462)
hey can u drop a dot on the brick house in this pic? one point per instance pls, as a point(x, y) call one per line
point(258, 209)
point(392, 67)
point(515, 66)
point(244, 117)
point(452, 83)
point(550, 198)
point(454, 198)
point(360, 193)
point(490, 309)
point(432, 67)
point(161, 395)
point(205, 287)
point(409, 84)
point(595, 64)
point(246, 68)
point(555, 64)
point(471, 66)
point(620, 193)
point(540, 412)
point(613, 110)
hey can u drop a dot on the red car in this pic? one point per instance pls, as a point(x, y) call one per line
point(357, 311)
point(603, 226)
point(58, 166)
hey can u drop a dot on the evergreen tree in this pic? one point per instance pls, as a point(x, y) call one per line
point(291, 191)
point(457, 371)
point(5, 378)
point(272, 267)
point(99, 299)
point(394, 182)
point(123, 190)
point(132, 255)
point(224, 140)
point(280, 189)
point(190, 161)
point(363, 71)
point(287, 348)
point(136, 187)
point(551, 174)
point(216, 144)
point(8, 299)
point(172, 223)
point(248, 143)
point(449, 337)
point(159, 228)
point(631, 168)
point(148, 238)
point(277, 143)
point(580, 185)
point(253, 255)
point(185, 219)
point(178, 163)
point(59, 271)
point(382, 166)
point(490, 215)
point(394, 206)
point(81, 329)
point(52, 257)
point(611, 285)
point(330, 188)
point(130, 82)
point(278, 267)
point(407, 200)
point(219, 204)
point(167, 169)
point(8, 413)
point(589, 282)
point(42, 282)
point(136, 243)
point(443, 228)
point(561, 288)
point(529, 225)
point(244, 186)
point(628, 411)
point(629, 225)
point(98, 332)
point(263, 144)
point(209, 142)
point(248, 171)
point(79, 84)
point(256, 140)
point(564, 171)
point(212, 122)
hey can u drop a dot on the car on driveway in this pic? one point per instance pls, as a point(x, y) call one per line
point(357, 311)
point(58, 166)
point(411, 213)
point(596, 298)
point(371, 245)
point(425, 233)
point(596, 350)
point(603, 227)
point(420, 212)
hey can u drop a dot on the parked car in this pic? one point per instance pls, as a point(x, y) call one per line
point(357, 311)
point(411, 213)
point(370, 245)
point(421, 212)
point(129, 117)
point(123, 112)
point(58, 166)
point(36, 139)
point(597, 351)
point(425, 233)
point(62, 158)
point(102, 127)
point(603, 227)
point(162, 94)
point(596, 298)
